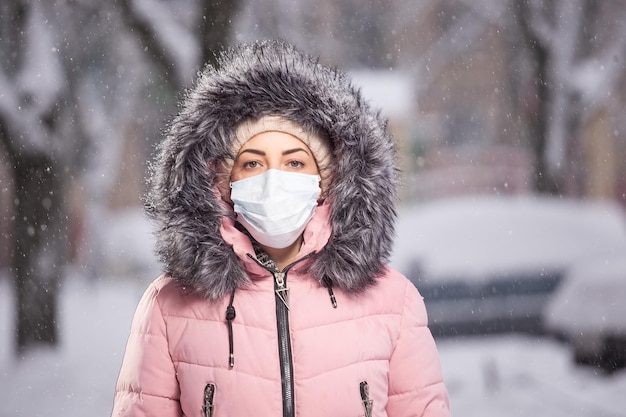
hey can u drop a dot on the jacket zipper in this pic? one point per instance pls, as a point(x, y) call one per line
point(365, 397)
point(281, 298)
point(209, 393)
point(284, 342)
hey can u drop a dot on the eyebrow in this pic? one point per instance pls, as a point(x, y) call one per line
point(294, 150)
point(286, 152)
point(254, 151)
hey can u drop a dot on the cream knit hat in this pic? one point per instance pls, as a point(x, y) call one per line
point(319, 146)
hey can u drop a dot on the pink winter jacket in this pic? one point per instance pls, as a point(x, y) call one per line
point(373, 350)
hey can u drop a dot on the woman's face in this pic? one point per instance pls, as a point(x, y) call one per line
point(273, 150)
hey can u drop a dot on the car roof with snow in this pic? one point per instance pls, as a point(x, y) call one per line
point(473, 238)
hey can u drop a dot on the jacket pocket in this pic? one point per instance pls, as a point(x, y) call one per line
point(207, 407)
point(368, 403)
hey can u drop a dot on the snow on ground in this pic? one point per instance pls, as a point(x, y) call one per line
point(79, 377)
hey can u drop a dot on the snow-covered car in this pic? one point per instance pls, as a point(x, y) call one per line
point(489, 264)
point(589, 311)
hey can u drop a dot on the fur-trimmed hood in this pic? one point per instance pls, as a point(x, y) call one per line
point(254, 80)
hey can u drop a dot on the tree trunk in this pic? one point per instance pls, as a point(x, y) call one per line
point(214, 27)
point(40, 249)
point(538, 113)
point(538, 125)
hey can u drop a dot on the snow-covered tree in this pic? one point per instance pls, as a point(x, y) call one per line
point(563, 66)
point(577, 48)
point(42, 139)
point(348, 33)
point(70, 73)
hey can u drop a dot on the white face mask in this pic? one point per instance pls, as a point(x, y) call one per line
point(276, 206)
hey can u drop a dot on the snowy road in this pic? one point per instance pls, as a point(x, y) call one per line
point(519, 375)
point(511, 375)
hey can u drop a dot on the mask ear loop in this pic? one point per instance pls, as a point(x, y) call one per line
point(221, 180)
point(322, 197)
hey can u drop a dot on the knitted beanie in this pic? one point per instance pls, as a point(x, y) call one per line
point(319, 146)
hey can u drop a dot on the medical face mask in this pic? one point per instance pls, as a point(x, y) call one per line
point(275, 206)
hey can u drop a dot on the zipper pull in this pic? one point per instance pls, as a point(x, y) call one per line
point(365, 397)
point(281, 290)
point(279, 276)
point(209, 393)
point(230, 316)
point(329, 284)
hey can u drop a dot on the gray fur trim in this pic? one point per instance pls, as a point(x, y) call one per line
point(272, 78)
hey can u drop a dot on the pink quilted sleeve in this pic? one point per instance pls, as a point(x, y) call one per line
point(415, 380)
point(147, 384)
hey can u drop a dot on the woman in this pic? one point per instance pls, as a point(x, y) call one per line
point(275, 194)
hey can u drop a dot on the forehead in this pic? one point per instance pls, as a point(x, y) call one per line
point(274, 141)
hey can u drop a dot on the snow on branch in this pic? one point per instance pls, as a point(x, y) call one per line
point(597, 76)
point(20, 123)
point(170, 40)
point(33, 95)
point(491, 12)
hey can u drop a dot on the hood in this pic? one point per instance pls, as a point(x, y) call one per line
point(260, 79)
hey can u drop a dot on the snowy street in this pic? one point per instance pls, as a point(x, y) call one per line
point(506, 375)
